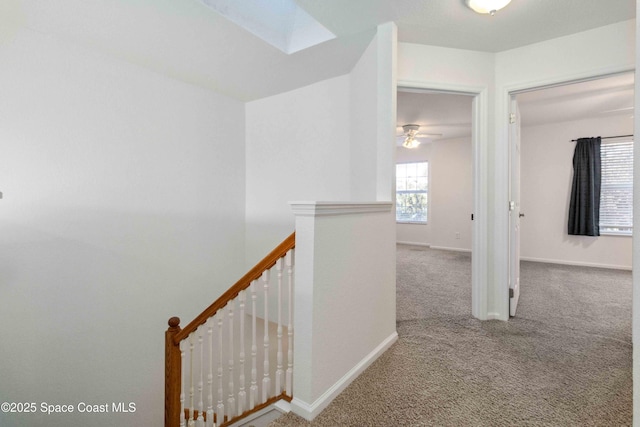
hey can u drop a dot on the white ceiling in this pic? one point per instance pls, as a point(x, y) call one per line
point(595, 98)
point(451, 23)
point(186, 40)
point(450, 115)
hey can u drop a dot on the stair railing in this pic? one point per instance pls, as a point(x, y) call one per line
point(191, 353)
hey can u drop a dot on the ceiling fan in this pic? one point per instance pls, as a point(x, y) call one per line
point(411, 135)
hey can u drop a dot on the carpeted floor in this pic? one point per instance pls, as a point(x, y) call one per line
point(564, 360)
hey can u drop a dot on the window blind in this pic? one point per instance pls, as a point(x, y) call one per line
point(616, 193)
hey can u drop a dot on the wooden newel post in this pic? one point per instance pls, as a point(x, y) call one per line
point(172, 375)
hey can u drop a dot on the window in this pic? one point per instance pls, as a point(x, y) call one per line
point(283, 23)
point(616, 191)
point(412, 181)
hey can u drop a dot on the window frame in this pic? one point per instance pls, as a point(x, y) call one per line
point(426, 192)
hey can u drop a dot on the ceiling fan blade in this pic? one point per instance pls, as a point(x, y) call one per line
point(419, 135)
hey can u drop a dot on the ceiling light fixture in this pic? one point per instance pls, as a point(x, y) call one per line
point(411, 131)
point(487, 6)
point(410, 142)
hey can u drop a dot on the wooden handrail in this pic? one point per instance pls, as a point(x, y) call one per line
point(242, 284)
point(174, 335)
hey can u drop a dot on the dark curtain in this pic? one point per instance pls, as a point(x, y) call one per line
point(584, 208)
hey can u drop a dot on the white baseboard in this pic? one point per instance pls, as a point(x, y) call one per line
point(444, 248)
point(310, 411)
point(413, 243)
point(578, 263)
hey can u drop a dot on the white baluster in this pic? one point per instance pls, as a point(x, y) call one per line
point(231, 401)
point(279, 371)
point(242, 395)
point(200, 422)
point(182, 420)
point(210, 375)
point(220, 408)
point(289, 262)
point(266, 380)
point(191, 420)
point(253, 390)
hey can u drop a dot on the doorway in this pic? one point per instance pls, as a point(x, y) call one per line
point(444, 122)
point(552, 119)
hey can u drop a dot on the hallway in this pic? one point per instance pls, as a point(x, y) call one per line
point(565, 360)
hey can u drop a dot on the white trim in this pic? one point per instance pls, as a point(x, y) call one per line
point(423, 86)
point(578, 263)
point(481, 193)
point(338, 208)
point(502, 247)
point(493, 315)
point(480, 148)
point(310, 411)
point(413, 244)
point(585, 76)
point(445, 248)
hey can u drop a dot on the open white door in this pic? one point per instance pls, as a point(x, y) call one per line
point(514, 207)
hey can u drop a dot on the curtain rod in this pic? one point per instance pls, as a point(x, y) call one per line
point(609, 137)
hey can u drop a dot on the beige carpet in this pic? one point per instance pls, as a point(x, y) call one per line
point(564, 360)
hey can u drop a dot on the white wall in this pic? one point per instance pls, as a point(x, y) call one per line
point(546, 164)
point(546, 174)
point(450, 195)
point(364, 107)
point(603, 50)
point(345, 274)
point(595, 52)
point(332, 140)
point(431, 67)
point(591, 53)
point(579, 55)
point(297, 149)
point(386, 120)
point(373, 118)
point(123, 205)
point(442, 66)
point(345, 296)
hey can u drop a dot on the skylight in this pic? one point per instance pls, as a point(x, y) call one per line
point(281, 23)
